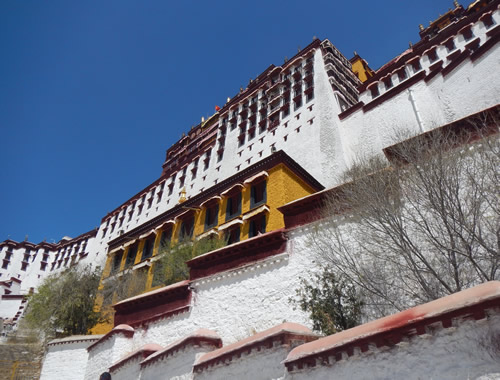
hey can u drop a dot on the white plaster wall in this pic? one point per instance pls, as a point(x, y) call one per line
point(264, 364)
point(469, 88)
point(129, 371)
point(178, 366)
point(9, 307)
point(65, 361)
point(105, 354)
point(466, 352)
point(237, 303)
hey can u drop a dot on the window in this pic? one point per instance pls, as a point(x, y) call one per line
point(43, 266)
point(374, 91)
point(211, 215)
point(166, 238)
point(388, 82)
point(402, 75)
point(5, 264)
point(257, 225)
point(117, 260)
point(258, 194)
point(297, 103)
point(416, 65)
point(233, 206)
point(24, 266)
point(132, 253)
point(147, 251)
point(450, 45)
point(187, 227)
point(233, 235)
point(432, 56)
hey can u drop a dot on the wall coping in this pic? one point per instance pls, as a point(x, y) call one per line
point(390, 330)
point(75, 339)
point(124, 329)
point(152, 294)
point(237, 254)
point(145, 351)
point(285, 333)
point(197, 338)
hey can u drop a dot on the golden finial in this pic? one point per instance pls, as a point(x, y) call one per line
point(203, 119)
point(286, 59)
point(410, 44)
point(298, 49)
point(183, 198)
point(228, 99)
point(455, 3)
point(421, 27)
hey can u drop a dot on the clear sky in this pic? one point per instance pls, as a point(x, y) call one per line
point(92, 93)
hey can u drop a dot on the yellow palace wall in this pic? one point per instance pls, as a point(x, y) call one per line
point(282, 186)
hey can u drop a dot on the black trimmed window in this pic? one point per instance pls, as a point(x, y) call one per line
point(165, 239)
point(233, 235)
point(258, 194)
point(211, 215)
point(187, 228)
point(132, 253)
point(233, 205)
point(149, 245)
point(257, 225)
point(117, 260)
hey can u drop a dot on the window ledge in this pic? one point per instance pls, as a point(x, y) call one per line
point(255, 211)
point(234, 221)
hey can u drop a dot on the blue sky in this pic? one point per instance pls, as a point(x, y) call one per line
point(92, 93)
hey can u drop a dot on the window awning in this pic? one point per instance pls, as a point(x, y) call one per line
point(257, 211)
point(129, 243)
point(114, 250)
point(256, 176)
point(225, 192)
point(230, 224)
point(183, 214)
point(213, 231)
point(145, 235)
point(171, 221)
point(216, 197)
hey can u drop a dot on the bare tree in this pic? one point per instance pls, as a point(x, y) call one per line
point(422, 225)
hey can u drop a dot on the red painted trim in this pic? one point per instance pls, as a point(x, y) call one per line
point(280, 157)
point(282, 339)
point(486, 46)
point(425, 43)
point(351, 110)
point(127, 332)
point(12, 297)
point(457, 61)
point(389, 331)
point(466, 127)
point(434, 69)
point(171, 313)
point(182, 344)
point(143, 353)
point(237, 255)
point(155, 304)
point(394, 91)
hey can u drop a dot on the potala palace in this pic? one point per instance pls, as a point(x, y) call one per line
point(256, 172)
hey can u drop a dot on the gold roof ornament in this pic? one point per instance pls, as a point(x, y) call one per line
point(421, 27)
point(455, 3)
point(203, 119)
point(183, 197)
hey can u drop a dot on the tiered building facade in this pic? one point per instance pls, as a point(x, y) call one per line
point(254, 173)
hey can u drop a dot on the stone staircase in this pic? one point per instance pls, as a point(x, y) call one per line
point(20, 358)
